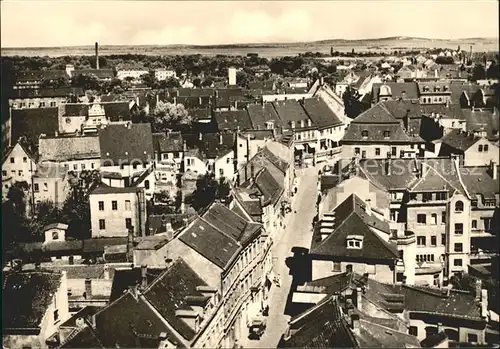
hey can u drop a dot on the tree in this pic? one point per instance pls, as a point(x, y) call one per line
point(168, 115)
point(150, 80)
point(352, 106)
point(208, 189)
point(478, 72)
point(207, 82)
point(493, 71)
point(197, 82)
point(86, 81)
point(169, 83)
point(56, 83)
point(243, 79)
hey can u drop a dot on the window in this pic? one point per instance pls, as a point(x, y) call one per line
point(387, 134)
point(127, 205)
point(457, 262)
point(485, 147)
point(394, 151)
point(443, 239)
point(474, 224)
point(101, 205)
point(443, 217)
point(459, 247)
point(146, 184)
point(83, 167)
point(25, 159)
point(114, 205)
point(20, 172)
point(480, 148)
point(433, 240)
point(413, 330)
point(337, 267)
point(176, 155)
point(42, 104)
point(356, 151)
point(221, 172)
point(364, 133)
point(55, 235)
point(35, 185)
point(102, 224)
point(56, 316)
point(45, 187)
point(128, 223)
point(363, 154)
point(471, 337)
point(434, 218)
point(75, 167)
point(11, 160)
point(421, 218)
point(377, 151)
point(92, 165)
point(400, 254)
point(459, 206)
point(441, 196)
point(426, 197)
point(459, 228)
point(353, 243)
point(420, 240)
point(399, 277)
point(4, 173)
point(488, 224)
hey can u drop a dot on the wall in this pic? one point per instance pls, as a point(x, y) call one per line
point(474, 157)
point(60, 232)
point(465, 219)
point(197, 166)
point(462, 331)
point(224, 167)
point(56, 189)
point(24, 103)
point(70, 124)
point(122, 74)
point(114, 219)
point(20, 170)
point(100, 287)
point(348, 150)
point(324, 268)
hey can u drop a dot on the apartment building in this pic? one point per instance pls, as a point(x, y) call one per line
point(18, 165)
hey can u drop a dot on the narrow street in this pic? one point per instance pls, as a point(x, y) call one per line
point(298, 232)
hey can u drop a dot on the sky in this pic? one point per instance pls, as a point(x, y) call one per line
point(42, 23)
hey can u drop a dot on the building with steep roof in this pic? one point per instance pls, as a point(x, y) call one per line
point(169, 154)
point(19, 163)
point(35, 305)
point(44, 98)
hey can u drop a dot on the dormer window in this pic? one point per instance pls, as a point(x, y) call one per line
point(364, 134)
point(354, 241)
point(387, 134)
point(445, 88)
point(426, 88)
point(269, 125)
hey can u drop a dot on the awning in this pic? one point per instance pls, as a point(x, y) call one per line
point(312, 145)
point(299, 147)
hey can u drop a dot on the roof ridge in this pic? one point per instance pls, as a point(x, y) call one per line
point(163, 274)
point(223, 233)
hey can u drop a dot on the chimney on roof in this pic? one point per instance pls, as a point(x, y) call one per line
point(436, 73)
point(106, 272)
point(144, 276)
point(252, 170)
point(355, 323)
point(175, 101)
point(88, 288)
point(494, 169)
point(97, 55)
point(184, 146)
point(388, 167)
point(368, 207)
point(157, 98)
point(478, 287)
point(200, 136)
point(221, 140)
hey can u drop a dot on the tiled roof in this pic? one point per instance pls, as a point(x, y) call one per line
point(231, 120)
point(47, 92)
point(281, 164)
point(83, 271)
point(216, 246)
point(126, 322)
point(451, 111)
point(320, 114)
point(100, 73)
point(69, 148)
point(323, 327)
point(103, 188)
point(126, 142)
point(479, 181)
point(98, 245)
point(85, 313)
point(262, 113)
point(373, 335)
point(351, 219)
point(258, 134)
point(169, 291)
point(482, 120)
point(433, 87)
point(376, 132)
point(210, 145)
point(124, 278)
point(168, 142)
point(460, 140)
point(290, 110)
point(26, 297)
point(116, 111)
point(457, 89)
point(152, 243)
point(193, 102)
point(333, 284)
point(378, 114)
point(397, 88)
point(34, 122)
point(40, 75)
point(75, 109)
point(82, 339)
point(268, 186)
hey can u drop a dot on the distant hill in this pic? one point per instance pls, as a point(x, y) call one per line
point(268, 49)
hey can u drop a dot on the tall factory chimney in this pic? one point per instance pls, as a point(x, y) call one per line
point(97, 55)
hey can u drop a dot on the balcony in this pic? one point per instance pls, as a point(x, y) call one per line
point(403, 239)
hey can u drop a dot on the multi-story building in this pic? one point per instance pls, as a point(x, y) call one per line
point(134, 72)
point(18, 165)
point(164, 74)
point(34, 79)
point(113, 211)
point(169, 155)
point(75, 153)
point(434, 92)
point(43, 98)
point(50, 183)
point(35, 305)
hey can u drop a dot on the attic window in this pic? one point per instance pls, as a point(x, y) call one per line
point(354, 241)
point(364, 134)
point(387, 134)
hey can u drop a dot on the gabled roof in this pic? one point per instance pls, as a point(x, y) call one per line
point(169, 292)
point(47, 92)
point(351, 219)
point(290, 110)
point(24, 146)
point(34, 122)
point(69, 148)
point(231, 120)
point(320, 114)
point(26, 297)
point(125, 142)
point(377, 133)
point(210, 145)
point(103, 188)
point(99, 73)
point(479, 181)
point(460, 140)
point(168, 142)
point(116, 111)
point(431, 180)
point(483, 120)
point(127, 277)
point(82, 339)
point(261, 113)
point(410, 89)
point(378, 114)
point(270, 189)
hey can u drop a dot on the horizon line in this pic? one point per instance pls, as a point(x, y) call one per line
point(254, 43)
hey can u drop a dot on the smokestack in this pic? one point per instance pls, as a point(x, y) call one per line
point(368, 207)
point(144, 276)
point(97, 55)
point(494, 169)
